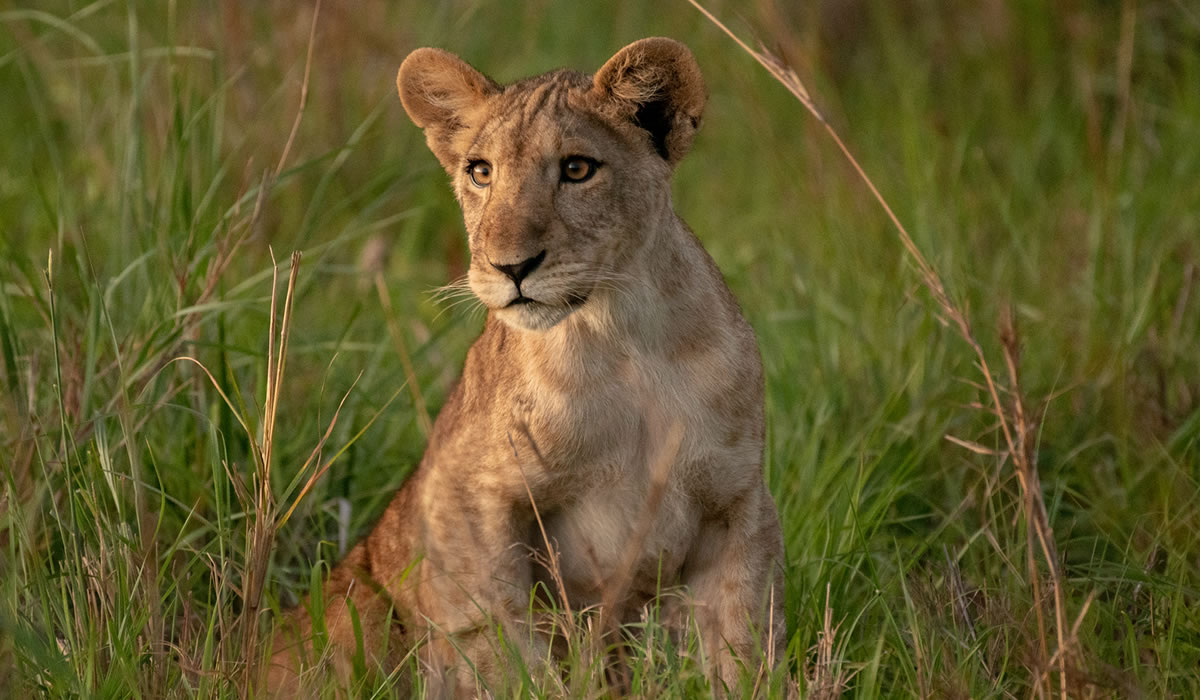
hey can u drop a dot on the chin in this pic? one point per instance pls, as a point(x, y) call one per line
point(535, 316)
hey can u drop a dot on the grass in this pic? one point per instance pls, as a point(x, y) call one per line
point(1043, 160)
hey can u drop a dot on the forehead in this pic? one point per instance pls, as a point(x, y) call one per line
point(546, 113)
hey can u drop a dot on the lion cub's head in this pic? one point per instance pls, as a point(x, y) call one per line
point(563, 178)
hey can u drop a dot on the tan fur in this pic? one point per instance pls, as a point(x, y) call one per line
point(632, 338)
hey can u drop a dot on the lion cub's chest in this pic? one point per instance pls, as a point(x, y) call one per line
point(637, 441)
point(609, 529)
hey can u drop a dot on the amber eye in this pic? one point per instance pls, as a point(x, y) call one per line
point(480, 172)
point(578, 168)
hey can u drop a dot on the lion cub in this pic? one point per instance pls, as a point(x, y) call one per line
point(612, 409)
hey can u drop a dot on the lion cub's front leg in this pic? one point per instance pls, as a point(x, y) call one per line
point(477, 578)
point(735, 576)
point(359, 617)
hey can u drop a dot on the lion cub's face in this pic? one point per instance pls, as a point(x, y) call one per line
point(564, 178)
point(550, 196)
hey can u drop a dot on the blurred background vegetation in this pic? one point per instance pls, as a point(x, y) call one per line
point(1045, 157)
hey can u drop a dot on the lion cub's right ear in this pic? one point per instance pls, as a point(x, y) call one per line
point(443, 95)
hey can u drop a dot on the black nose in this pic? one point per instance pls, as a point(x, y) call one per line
point(521, 270)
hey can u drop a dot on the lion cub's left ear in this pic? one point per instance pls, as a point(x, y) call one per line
point(656, 84)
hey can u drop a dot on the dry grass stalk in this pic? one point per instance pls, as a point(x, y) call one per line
point(1073, 639)
point(261, 526)
point(258, 500)
point(312, 35)
point(1013, 420)
point(824, 679)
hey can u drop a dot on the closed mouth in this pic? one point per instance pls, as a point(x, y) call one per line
point(574, 301)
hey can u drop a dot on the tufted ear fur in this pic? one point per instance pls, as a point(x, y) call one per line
point(442, 95)
point(656, 84)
